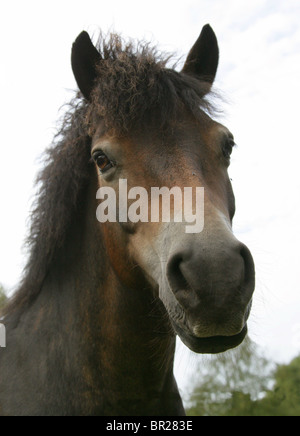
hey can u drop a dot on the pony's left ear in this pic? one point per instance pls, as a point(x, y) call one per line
point(84, 59)
point(203, 59)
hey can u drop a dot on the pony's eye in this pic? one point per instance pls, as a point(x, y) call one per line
point(228, 147)
point(102, 161)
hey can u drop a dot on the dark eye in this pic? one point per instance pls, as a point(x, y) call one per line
point(102, 161)
point(228, 147)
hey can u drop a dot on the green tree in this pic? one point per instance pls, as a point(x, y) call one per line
point(3, 297)
point(245, 383)
point(232, 383)
point(284, 398)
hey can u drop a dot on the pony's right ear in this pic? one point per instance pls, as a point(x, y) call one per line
point(203, 58)
point(84, 60)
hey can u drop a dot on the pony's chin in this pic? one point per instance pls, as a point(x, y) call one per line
point(211, 345)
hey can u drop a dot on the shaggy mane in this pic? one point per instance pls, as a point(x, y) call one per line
point(135, 88)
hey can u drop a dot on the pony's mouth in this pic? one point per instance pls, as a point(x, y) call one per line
point(211, 345)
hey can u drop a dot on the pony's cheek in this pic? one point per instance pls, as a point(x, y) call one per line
point(145, 251)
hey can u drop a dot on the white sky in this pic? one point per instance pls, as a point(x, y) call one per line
point(259, 74)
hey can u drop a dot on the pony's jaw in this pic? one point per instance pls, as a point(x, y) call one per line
point(207, 308)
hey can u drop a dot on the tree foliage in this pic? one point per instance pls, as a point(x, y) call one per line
point(3, 297)
point(246, 383)
point(284, 398)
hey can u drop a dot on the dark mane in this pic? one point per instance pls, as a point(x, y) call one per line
point(135, 87)
point(60, 187)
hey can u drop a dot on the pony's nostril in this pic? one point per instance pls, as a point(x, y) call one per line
point(249, 277)
point(175, 275)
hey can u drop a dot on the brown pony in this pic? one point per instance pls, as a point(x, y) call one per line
point(92, 328)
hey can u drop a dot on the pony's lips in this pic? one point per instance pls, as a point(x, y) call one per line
point(211, 345)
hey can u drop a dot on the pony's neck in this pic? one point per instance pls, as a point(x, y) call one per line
point(133, 349)
point(122, 334)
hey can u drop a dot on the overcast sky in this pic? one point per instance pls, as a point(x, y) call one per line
point(259, 75)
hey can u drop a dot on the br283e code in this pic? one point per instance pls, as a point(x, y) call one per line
point(171, 425)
